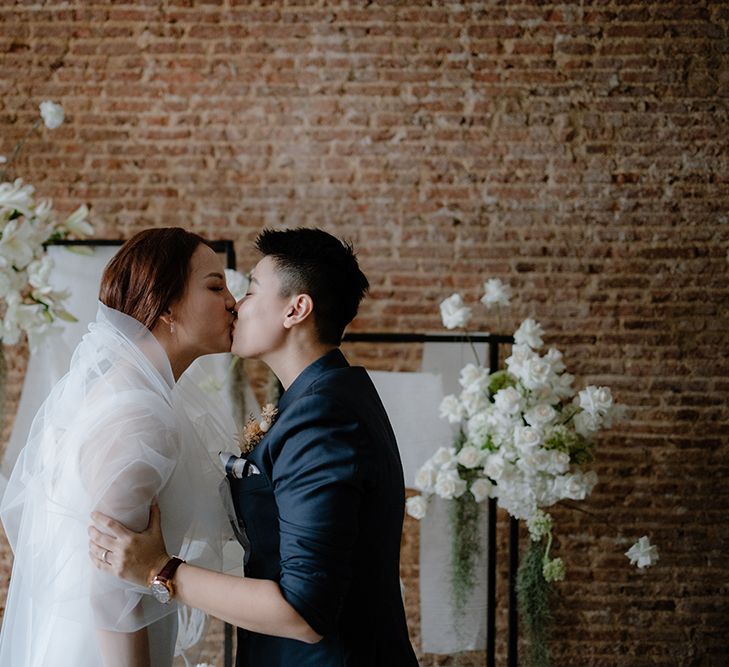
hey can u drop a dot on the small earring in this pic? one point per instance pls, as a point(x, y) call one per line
point(172, 328)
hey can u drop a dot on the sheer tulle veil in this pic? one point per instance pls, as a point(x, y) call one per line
point(115, 432)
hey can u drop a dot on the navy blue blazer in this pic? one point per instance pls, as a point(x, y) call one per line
point(324, 520)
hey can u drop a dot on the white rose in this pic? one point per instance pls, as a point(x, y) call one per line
point(494, 466)
point(575, 486)
point(469, 457)
point(443, 456)
point(481, 489)
point(535, 373)
point(526, 439)
point(586, 424)
point(477, 428)
point(508, 400)
point(451, 409)
point(474, 400)
point(416, 507)
point(237, 283)
point(520, 354)
point(529, 333)
point(540, 415)
point(496, 293)
point(454, 313)
point(52, 114)
point(425, 478)
point(449, 484)
point(595, 400)
point(471, 375)
point(554, 358)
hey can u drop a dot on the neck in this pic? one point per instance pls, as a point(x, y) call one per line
point(179, 361)
point(288, 364)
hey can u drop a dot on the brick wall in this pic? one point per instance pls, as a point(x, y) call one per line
point(577, 150)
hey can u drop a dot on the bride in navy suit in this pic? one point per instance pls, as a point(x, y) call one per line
point(322, 499)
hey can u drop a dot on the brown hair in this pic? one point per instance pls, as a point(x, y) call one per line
point(149, 272)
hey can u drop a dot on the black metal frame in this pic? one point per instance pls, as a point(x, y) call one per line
point(493, 341)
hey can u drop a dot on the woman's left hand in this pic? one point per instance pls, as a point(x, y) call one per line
point(134, 557)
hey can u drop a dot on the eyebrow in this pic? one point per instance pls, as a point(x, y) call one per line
point(215, 275)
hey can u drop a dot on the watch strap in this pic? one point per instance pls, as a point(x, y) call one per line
point(168, 571)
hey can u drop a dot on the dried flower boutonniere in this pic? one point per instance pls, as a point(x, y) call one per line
point(253, 431)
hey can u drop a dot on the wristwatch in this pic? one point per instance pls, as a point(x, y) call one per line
point(161, 584)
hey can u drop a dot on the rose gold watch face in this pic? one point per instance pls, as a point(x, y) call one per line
point(160, 591)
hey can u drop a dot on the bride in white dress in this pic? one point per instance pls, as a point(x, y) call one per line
point(115, 433)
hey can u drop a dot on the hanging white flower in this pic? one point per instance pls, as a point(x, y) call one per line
point(237, 283)
point(529, 333)
point(496, 293)
point(642, 553)
point(52, 114)
point(416, 507)
point(454, 313)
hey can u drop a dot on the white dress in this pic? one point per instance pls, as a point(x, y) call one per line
point(113, 434)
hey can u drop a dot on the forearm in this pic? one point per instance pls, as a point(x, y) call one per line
point(124, 649)
point(253, 604)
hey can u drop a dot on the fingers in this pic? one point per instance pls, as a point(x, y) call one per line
point(101, 540)
point(100, 556)
point(108, 525)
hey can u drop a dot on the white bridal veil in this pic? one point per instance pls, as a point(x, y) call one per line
point(115, 432)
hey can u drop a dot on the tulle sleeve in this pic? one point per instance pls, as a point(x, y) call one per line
point(114, 457)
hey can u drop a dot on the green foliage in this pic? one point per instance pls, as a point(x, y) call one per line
point(534, 594)
point(466, 547)
point(500, 380)
point(572, 443)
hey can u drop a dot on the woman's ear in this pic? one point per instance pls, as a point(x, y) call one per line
point(298, 309)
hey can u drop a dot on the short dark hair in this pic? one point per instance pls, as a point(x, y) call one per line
point(149, 272)
point(313, 262)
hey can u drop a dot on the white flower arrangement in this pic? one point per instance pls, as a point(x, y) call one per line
point(526, 433)
point(28, 302)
